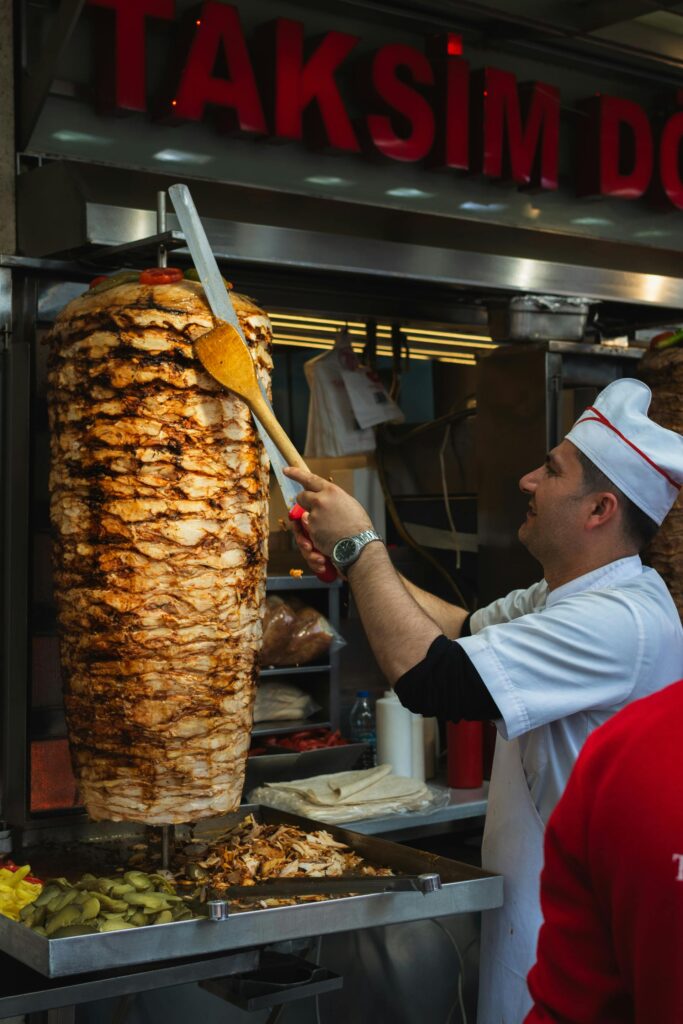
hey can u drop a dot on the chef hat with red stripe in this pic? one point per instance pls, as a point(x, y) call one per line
point(644, 460)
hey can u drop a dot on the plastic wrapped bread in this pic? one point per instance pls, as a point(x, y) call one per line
point(159, 500)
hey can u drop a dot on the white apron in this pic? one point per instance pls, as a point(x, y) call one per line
point(512, 847)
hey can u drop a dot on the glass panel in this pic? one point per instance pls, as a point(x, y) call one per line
point(53, 786)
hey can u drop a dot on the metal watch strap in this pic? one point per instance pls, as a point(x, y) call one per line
point(366, 536)
point(363, 538)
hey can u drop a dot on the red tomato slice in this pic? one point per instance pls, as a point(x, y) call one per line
point(161, 275)
point(97, 280)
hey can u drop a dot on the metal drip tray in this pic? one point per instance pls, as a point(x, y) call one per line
point(464, 888)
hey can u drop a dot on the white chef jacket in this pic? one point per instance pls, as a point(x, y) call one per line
point(560, 663)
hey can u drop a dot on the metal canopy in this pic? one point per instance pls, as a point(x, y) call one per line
point(83, 212)
point(291, 248)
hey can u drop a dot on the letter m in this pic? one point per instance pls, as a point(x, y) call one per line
point(528, 120)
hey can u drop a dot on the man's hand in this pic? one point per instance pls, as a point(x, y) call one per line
point(329, 513)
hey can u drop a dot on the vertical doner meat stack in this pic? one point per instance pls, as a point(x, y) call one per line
point(159, 492)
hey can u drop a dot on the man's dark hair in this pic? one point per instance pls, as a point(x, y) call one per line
point(638, 526)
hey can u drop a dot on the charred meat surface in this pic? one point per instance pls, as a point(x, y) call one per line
point(159, 492)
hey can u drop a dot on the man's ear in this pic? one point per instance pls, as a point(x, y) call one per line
point(604, 509)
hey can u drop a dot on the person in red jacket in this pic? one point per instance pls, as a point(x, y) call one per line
point(610, 950)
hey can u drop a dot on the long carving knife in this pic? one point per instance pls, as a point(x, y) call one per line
point(222, 308)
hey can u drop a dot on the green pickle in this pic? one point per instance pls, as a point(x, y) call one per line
point(193, 275)
point(90, 905)
point(122, 277)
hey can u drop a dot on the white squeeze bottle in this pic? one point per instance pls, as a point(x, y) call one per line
point(394, 734)
point(417, 748)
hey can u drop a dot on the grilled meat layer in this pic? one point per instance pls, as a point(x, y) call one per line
point(159, 492)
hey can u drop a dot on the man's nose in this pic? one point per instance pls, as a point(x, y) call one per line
point(529, 482)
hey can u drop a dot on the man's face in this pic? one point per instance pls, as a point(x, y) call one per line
point(558, 505)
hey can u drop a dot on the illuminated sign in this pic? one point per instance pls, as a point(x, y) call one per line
point(403, 103)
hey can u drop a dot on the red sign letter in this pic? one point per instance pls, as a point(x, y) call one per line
point(129, 91)
point(219, 31)
point(502, 107)
point(669, 160)
point(404, 100)
point(458, 114)
point(298, 84)
point(614, 131)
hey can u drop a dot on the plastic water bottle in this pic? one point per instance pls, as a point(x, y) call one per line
point(362, 722)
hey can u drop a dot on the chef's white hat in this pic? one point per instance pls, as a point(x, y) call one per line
point(644, 460)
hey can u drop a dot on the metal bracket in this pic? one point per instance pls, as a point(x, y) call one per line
point(429, 882)
point(218, 910)
point(168, 239)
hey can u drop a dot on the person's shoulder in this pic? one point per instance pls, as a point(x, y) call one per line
point(621, 734)
point(511, 606)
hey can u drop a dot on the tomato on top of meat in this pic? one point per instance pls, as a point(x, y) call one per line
point(161, 275)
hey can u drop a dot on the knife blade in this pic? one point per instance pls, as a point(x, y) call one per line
point(222, 308)
point(218, 298)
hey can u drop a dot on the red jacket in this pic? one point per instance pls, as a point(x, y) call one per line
point(611, 948)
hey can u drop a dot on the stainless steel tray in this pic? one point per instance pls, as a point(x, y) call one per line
point(465, 888)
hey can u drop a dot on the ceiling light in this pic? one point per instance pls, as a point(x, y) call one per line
point(327, 179)
point(409, 193)
point(449, 344)
point(295, 318)
point(591, 220)
point(94, 140)
point(483, 207)
point(446, 334)
point(180, 156)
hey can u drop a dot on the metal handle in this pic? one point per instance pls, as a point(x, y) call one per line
point(219, 910)
point(429, 882)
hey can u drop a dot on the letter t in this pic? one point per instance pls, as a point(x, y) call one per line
point(129, 91)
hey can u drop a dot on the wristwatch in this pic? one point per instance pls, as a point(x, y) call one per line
point(347, 549)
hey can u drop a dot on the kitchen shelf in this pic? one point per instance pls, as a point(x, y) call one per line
point(323, 678)
point(49, 723)
point(305, 582)
point(281, 728)
point(294, 670)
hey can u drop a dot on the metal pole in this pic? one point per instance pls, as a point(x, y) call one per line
point(167, 831)
point(167, 845)
point(162, 254)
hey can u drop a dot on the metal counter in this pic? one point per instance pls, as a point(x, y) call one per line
point(462, 804)
point(465, 888)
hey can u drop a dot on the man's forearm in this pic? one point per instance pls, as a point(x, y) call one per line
point(449, 617)
point(400, 632)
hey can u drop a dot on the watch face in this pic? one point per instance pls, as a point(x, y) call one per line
point(345, 550)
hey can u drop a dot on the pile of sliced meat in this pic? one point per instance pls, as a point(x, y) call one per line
point(159, 491)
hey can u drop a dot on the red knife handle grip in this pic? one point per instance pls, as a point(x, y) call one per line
point(329, 573)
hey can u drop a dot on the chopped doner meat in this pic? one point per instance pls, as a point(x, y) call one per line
point(253, 852)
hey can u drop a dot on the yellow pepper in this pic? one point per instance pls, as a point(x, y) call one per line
point(15, 892)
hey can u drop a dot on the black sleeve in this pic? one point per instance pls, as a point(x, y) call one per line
point(465, 628)
point(446, 684)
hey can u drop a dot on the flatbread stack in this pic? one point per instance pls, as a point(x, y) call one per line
point(663, 372)
point(159, 501)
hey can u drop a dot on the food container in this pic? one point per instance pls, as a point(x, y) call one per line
point(284, 766)
point(538, 318)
